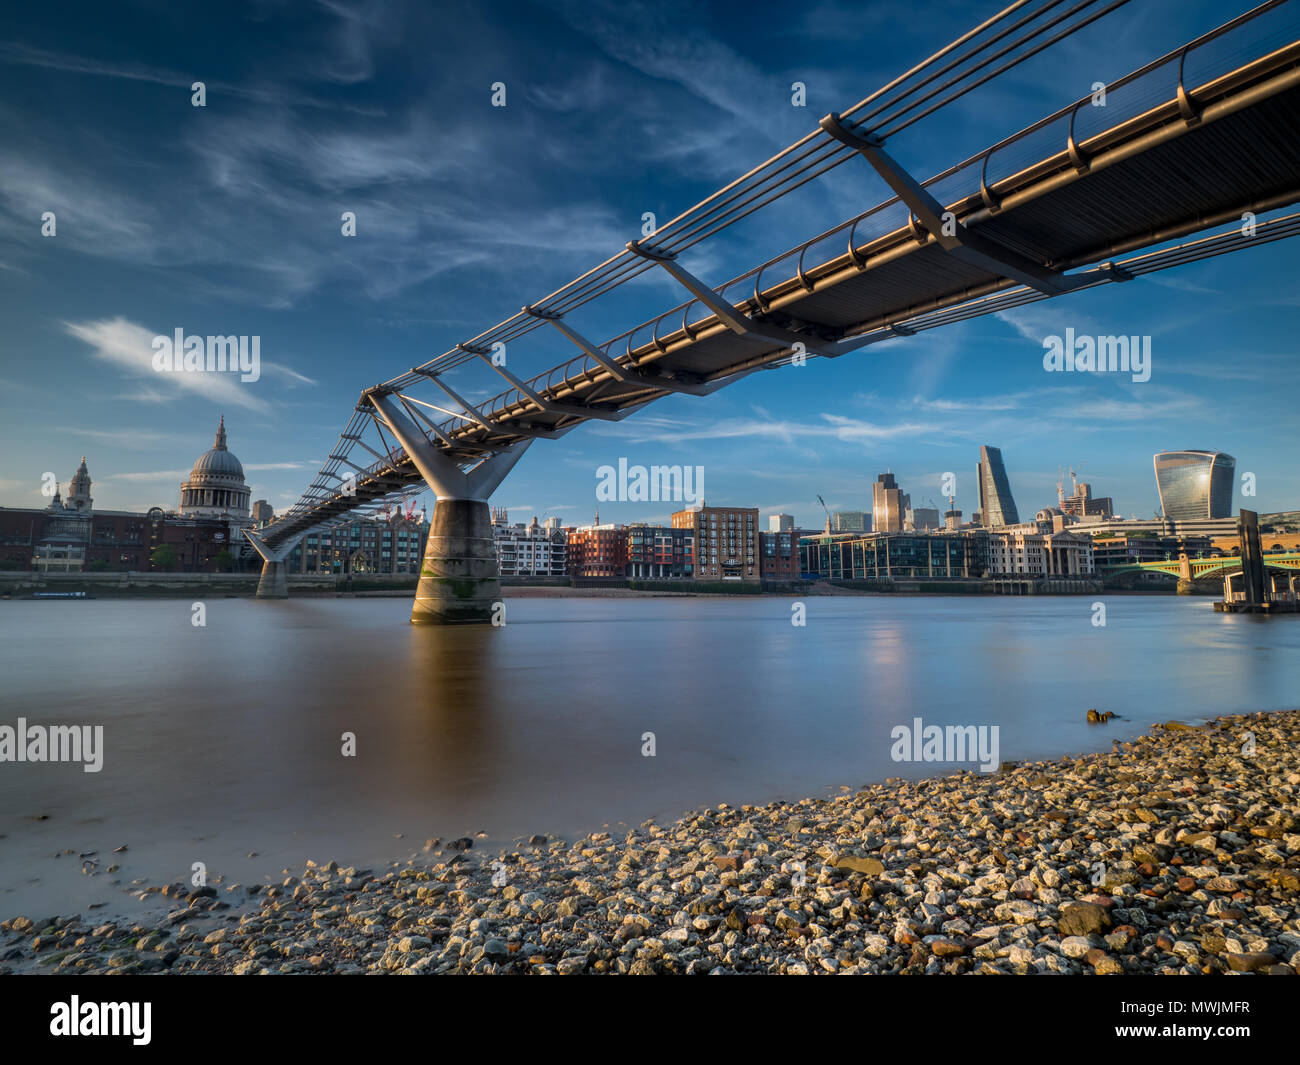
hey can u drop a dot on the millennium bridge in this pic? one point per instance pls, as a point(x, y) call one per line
point(1177, 167)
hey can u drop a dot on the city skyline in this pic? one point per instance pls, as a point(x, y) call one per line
point(333, 314)
point(628, 487)
point(575, 518)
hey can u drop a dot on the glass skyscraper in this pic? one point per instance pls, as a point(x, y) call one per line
point(889, 503)
point(996, 505)
point(1195, 484)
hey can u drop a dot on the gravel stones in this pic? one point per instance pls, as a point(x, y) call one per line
point(1083, 919)
point(1175, 853)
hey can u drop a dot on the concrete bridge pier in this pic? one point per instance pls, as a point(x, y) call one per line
point(274, 583)
point(459, 579)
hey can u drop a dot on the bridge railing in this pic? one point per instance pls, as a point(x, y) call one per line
point(1057, 140)
point(1041, 146)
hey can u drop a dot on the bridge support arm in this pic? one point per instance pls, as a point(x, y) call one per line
point(732, 317)
point(440, 472)
point(460, 580)
point(550, 406)
point(635, 377)
point(274, 582)
point(277, 553)
point(955, 238)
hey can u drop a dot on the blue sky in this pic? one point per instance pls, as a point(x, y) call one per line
point(225, 220)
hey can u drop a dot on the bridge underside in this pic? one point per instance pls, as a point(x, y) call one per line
point(1154, 179)
point(1069, 194)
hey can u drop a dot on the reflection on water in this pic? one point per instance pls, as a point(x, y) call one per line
point(226, 740)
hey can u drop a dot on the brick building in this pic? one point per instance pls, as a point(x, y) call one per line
point(660, 552)
point(385, 545)
point(726, 542)
point(204, 535)
point(779, 556)
point(597, 551)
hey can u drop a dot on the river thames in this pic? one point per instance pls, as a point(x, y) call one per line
point(223, 743)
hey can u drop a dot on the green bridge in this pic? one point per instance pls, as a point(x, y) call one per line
point(1201, 568)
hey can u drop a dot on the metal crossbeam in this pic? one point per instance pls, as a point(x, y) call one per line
point(958, 240)
point(500, 427)
point(413, 406)
point(622, 373)
point(734, 319)
point(1069, 217)
point(348, 462)
point(550, 406)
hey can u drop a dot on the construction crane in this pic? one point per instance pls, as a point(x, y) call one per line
point(828, 512)
point(1074, 483)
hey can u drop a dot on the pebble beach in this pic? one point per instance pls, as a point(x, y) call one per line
point(1175, 853)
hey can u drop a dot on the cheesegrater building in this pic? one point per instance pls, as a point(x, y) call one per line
point(996, 505)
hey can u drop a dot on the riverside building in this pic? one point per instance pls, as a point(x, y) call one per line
point(381, 545)
point(597, 552)
point(204, 534)
point(1110, 552)
point(894, 555)
point(726, 542)
point(779, 556)
point(660, 552)
point(1021, 552)
point(1028, 551)
point(530, 550)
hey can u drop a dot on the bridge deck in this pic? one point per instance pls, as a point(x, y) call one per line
point(1176, 156)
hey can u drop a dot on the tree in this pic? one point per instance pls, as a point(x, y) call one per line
point(163, 556)
point(224, 560)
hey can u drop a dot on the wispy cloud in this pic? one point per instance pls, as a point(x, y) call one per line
point(150, 475)
point(129, 347)
point(143, 394)
point(26, 55)
point(830, 426)
point(280, 370)
point(128, 438)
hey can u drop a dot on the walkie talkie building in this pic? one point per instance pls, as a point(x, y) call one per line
point(1195, 484)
